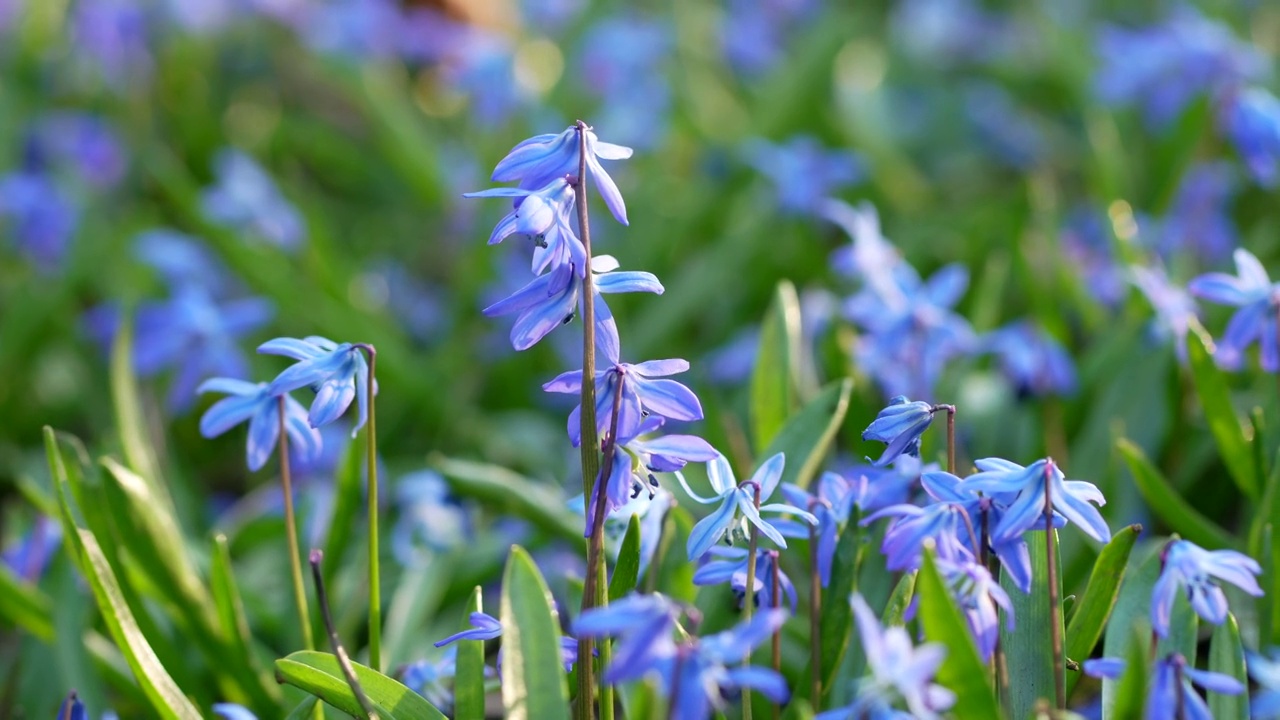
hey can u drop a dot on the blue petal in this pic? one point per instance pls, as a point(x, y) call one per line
point(766, 681)
point(333, 397)
point(230, 386)
point(668, 398)
point(626, 282)
point(498, 192)
point(231, 711)
point(660, 368)
point(769, 474)
point(710, 529)
point(226, 414)
point(290, 347)
point(264, 431)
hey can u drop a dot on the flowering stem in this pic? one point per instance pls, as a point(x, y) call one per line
point(1055, 604)
point(748, 604)
point(815, 620)
point(594, 585)
point(999, 666)
point(951, 437)
point(775, 600)
point(589, 441)
point(344, 662)
point(1180, 707)
point(291, 528)
point(375, 585)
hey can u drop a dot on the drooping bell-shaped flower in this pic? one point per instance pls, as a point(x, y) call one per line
point(542, 158)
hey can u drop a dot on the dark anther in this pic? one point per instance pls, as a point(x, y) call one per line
point(567, 319)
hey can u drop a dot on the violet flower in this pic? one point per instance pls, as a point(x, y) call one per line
point(1258, 298)
point(1191, 569)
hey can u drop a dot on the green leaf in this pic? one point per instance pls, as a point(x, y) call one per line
point(836, 613)
point(672, 573)
point(1028, 652)
point(319, 674)
point(25, 605)
point(533, 682)
point(348, 502)
point(1268, 510)
point(234, 624)
point(1100, 595)
point(1169, 504)
point(417, 596)
point(305, 710)
point(1215, 398)
point(626, 571)
point(962, 671)
point(468, 682)
point(773, 380)
point(807, 435)
point(1226, 656)
point(164, 694)
point(900, 600)
point(1131, 688)
point(510, 493)
point(130, 420)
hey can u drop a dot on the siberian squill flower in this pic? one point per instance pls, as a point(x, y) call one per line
point(544, 215)
point(1192, 569)
point(978, 595)
point(644, 391)
point(111, 37)
point(1199, 220)
point(231, 711)
point(429, 521)
point(1252, 120)
point(543, 158)
point(901, 674)
point(551, 299)
point(339, 373)
point(946, 524)
point(86, 143)
point(180, 259)
point(246, 198)
point(730, 566)
point(1026, 510)
point(1175, 308)
point(486, 627)
point(1258, 298)
point(1033, 361)
point(1172, 690)
point(804, 172)
point(256, 403)
point(985, 511)
point(643, 623)
point(869, 256)
point(433, 680)
point(899, 426)
point(734, 498)
point(1265, 670)
point(41, 218)
point(32, 553)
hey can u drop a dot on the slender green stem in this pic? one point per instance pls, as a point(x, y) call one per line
point(1055, 603)
point(340, 652)
point(375, 575)
point(815, 619)
point(590, 445)
point(291, 529)
point(748, 603)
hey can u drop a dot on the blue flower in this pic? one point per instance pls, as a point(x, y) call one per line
point(1252, 120)
point(642, 394)
point(1172, 690)
point(29, 558)
point(84, 142)
point(1199, 220)
point(901, 674)
point(1192, 569)
point(754, 33)
point(1031, 359)
point(1175, 308)
point(256, 403)
point(643, 624)
point(72, 709)
point(1258, 298)
point(1026, 510)
point(1265, 670)
point(869, 256)
point(978, 596)
point(110, 36)
point(434, 680)
point(42, 218)
point(544, 215)
point(429, 520)
point(621, 58)
point(543, 158)
point(1007, 131)
point(339, 374)
point(549, 301)
point(1088, 246)
point(985, 511)
point(483, 627)
point(191, 332)
point(831, 507)
point(358, 30)
point(733, 570)
point(943, 523)
point(181, 260)
point(804, 173)
point(734, 497)
point(245, 198)
point(1104, 667)
point(232, 711)
point(899, 426)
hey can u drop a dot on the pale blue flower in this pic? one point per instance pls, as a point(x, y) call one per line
point(544, 215)
point(1265, 671)
point(1025, 511)
point(246, 198)
point(732, 569)
point(1033, 360)
point(1172, 690)
point(339, 374)
point(39, 215)
point(980, 597)
point(543, 158)
point(899, 426)
point(256, 403)
point(1252, 120)
point(232, 711)
point(434, 680)
point(734, 498)
point(429, 520)
point(1174, 306)
point(1188, 568)
point(483, 627)
point(803, 171)
point(1258, 298)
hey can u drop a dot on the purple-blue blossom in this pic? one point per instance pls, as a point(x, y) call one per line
point(1190, 569)
point(985, 511)
point(232, 711)
point(29, 558)
point(945, 524)
point(755, 33)
point(1034, 362)
point(804, 172)
point(433, 680)
point(1199, 219)
point(899, 426)
point(111, 36)
point(338, 372)
point(1174, 306)
point(1026, 510)
point(1265, 671)
point(545, 216)
point(41, 218)
point(261, 408)
point(729, 565)
point(483, 627)
point(980, 597)
point(621, 59)
point(1172, 697)
point(1252, 120)
point(245, 198)
point(734, 498)
point(1258, 300)
point(542, 158)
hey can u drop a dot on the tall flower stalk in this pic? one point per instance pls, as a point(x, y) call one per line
point(375, 574)
point(291, 528)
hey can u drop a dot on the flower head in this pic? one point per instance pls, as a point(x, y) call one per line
point(1258, 298)
point(732, 569)
point(1173, 689)
point(1252, 120)
point(339, 373)
point(1033, 361)
point(1192, 569)
point(246, 198)
point(734, 498)
point(543, 158)
point(900, 426)
point(256, 403)
point(42, 218)
point(1265, 670)
point(1175, 308)
point(1024, 490)
point(543, 215)
point(804, 172)
point(978, 596)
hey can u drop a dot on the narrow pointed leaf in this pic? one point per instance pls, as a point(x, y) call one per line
point(773, 379)
point(234, 624)
point(674, 573)
point(319, 674)
point(1226, 656)
point(627, 570)
point(510, 493)
point(1169, 504)
point(533, 681)
point(1131, 688)
point(836, 612)
point(1028, 652)
point(130, 419)
point(806, 437)
point(962, 671)
point(25, 606)
point(903, 593)
point(305, 710)
point(1215, 398)
point(468, 684)
point(1100, 595)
